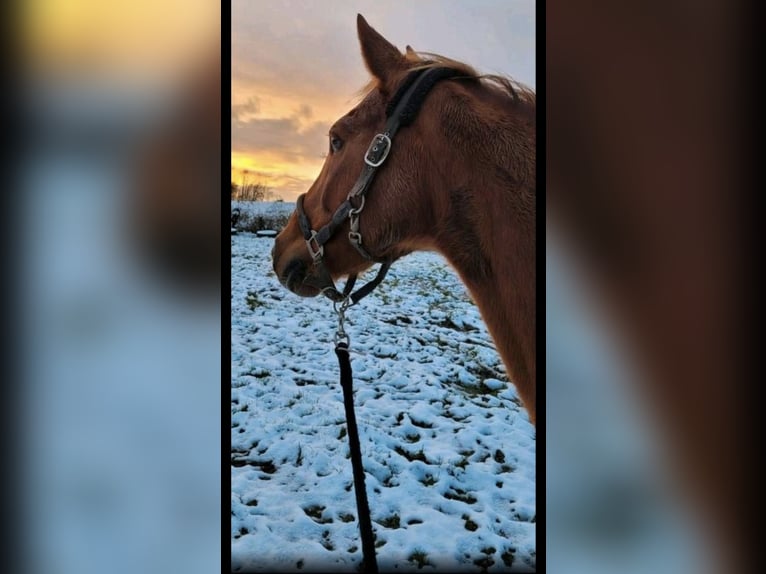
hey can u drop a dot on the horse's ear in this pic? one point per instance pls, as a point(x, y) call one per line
point(380, 56)
point(410, 51)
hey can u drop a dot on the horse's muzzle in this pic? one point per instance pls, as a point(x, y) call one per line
point(294, 275)
point(296, 278)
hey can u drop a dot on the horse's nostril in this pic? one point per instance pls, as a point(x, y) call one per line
point(294, 273)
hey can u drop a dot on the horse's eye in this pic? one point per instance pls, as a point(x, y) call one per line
point(335, 143)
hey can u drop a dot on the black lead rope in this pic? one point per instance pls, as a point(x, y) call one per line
point(369, 563)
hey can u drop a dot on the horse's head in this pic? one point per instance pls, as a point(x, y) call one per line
point(392, 211)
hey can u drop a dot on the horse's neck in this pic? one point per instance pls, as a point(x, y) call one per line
point(492, 246)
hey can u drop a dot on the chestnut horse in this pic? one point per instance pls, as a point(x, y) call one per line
point(459, 180)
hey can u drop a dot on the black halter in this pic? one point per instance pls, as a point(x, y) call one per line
point(400, 111)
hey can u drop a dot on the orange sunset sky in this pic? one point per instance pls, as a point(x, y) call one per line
point(296, 68)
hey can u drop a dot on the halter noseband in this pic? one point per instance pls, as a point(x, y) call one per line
point(401, 111)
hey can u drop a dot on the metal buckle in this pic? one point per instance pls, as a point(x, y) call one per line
point(317, 254)
point(378, 150)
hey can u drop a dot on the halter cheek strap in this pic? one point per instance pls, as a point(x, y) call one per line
point(401, 111)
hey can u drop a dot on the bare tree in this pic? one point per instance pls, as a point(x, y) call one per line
point(251, 191)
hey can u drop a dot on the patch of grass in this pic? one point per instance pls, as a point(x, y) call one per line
point(413, 521)
point(392, 521)
point(253, 502)
point(464, 461)
point(420, 558)
point(252, 300)
point(499, 456)
point(346, 517)
point(342, 433)
point(412, 438)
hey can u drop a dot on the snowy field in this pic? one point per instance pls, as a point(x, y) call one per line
point(448, 452)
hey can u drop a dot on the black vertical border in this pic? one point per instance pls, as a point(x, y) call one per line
point(225, 290)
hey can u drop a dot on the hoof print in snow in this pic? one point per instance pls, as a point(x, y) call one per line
point(508, 557)
point(484, 563)
point(469, 524)
point(499, 456)
point(326, 542)
point(346, 517)
point(266, 466)
point(428, 480)
point(461, 495)
point(421, 424)
point(315, 513)
point(411, 456)
point(392, 521)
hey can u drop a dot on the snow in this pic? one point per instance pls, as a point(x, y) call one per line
point(448, 451)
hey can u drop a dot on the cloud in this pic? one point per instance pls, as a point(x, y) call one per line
point(251, 107)
point(287, 138)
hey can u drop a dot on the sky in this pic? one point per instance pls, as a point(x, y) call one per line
point(296, 68)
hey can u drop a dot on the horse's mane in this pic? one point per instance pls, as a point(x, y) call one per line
point(518, 92)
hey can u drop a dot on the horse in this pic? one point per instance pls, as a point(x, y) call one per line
point(459, 180)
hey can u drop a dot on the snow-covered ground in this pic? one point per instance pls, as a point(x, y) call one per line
point(449, 454)
point(256, 215)
point(264, 207)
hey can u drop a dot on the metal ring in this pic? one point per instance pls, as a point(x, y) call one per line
point(357, 210)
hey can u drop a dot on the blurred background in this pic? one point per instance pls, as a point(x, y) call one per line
point(646, 438)
point(118, 248)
